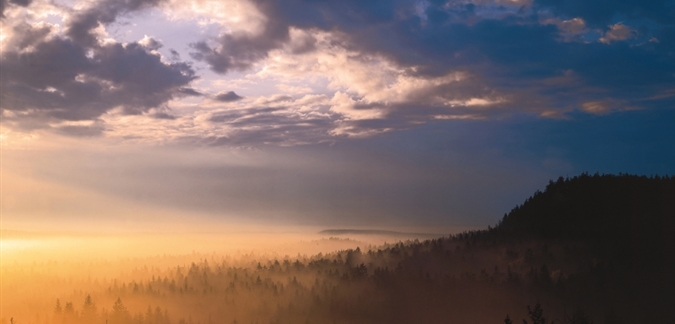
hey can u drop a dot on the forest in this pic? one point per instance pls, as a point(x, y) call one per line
point(588, 249)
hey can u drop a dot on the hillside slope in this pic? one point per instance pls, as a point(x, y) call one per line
point(596, 207)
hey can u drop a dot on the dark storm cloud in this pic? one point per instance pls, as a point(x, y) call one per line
point(76, 78)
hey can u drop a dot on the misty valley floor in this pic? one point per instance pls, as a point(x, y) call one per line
point(465, 279)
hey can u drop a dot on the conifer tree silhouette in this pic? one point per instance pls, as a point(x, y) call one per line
point(508, 320)
point(536, 315)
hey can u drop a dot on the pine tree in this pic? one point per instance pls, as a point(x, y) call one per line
point(507, 320)
point(120, 314)
point(57, 308)
point(88, 310)
point(536, 315)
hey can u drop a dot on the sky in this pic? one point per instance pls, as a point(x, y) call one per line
point(430, 115)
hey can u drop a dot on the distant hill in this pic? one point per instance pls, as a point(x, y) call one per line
point(373, 232)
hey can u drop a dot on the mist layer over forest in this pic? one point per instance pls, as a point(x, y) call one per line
point(588, 249)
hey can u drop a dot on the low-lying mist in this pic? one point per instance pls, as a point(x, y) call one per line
point(40, 268)
point(20, 247)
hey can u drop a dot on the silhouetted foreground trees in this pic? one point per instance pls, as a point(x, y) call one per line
point(590, 249)
point(536, 315)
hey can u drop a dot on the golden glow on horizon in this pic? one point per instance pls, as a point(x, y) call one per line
point(10, 245)
point(37, 269)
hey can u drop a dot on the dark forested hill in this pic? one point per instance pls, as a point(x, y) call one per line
point(626, 222)
point(597, 207)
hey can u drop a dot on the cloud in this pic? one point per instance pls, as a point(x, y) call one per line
point(596, 107)
point(163, 115)
point(373, 67)
point(600, 14)
point(81, 27)
point(569, 30)
point(239, 51)
point(49, 77)
point(4, 3)
point(150, 43)
point(618, 32)
point(59, 80)
point(293, 89)
point(228, 97)
point(80, 130)
point(345, 105)
point(605, 106)
point(275, 120)
point(189, 92)
point(459, 117)
point(498, 42)
point(283, 125)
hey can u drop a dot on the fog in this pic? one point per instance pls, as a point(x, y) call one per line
point(40, 267)
point(297, 276)
point(306, 276)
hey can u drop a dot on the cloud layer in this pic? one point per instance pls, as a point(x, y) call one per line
point(331, 70)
